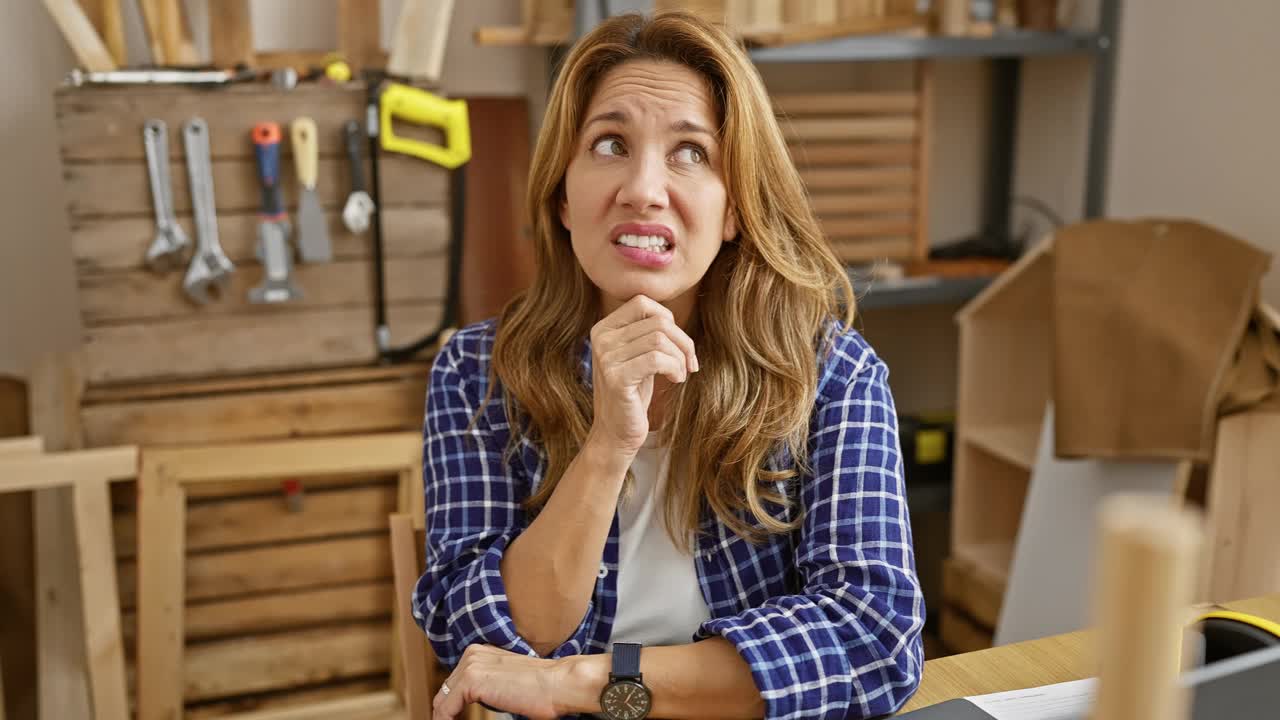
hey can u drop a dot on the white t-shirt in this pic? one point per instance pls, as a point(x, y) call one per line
point(659, 598)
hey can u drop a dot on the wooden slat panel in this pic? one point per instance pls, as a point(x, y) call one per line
point(845, 103)
point(836, 205)
point(204, 346)
point(123, 493)
point(877, 128)
point(141, 296)
point(233, 667)
point(256, 520)
point(364, 407)
point(158, 581)
point(122, 188)
point(815, 154)
point(284, 567)
point(281, 611)
point(872, 227)
point(304, 698)
point(230, 113)
point(851, 178)
point(106, 244)
point(869, 250)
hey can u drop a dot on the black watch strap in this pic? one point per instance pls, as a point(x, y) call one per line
point(626, 661)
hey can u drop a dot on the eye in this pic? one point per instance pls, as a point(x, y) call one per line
point(690, 154)
point(608, 146)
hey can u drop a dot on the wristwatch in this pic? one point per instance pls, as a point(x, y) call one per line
point(626, 697)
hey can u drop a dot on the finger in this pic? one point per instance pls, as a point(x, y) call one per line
point(637, 308)
point(654, 362)
point(655, 341)
point(448, 706)
point(667, 325)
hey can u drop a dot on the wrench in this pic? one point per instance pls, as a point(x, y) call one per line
point(210, 267)
point(171, 242)
point(359, 207)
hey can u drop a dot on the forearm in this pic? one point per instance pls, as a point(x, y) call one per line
point(706, 679)
point(550, 571)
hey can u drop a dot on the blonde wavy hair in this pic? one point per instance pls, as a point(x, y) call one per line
point(764, 313)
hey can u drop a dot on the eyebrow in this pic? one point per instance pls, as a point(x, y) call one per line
point(619, 116)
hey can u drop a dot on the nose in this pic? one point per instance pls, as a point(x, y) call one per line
point(644, 185)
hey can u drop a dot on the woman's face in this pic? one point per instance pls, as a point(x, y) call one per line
point(645, 203)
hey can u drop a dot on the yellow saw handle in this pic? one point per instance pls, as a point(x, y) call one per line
point(423, 108)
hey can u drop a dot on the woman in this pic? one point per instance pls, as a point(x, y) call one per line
point(673, 438)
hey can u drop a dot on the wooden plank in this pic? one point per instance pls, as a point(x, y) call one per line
point(158, 581)
point(845, 103)
point(230, 113)
point(383, 705)
point(281, 611)
point(228, 574)
point(372, 454)
point(40, 472)
point(973, 591)
point(112, 30)
point(78, 31)
point(226, 668)
point(923, 164)
point(124, 493)
point(256, 383)
point(807, 129)
point(104, 648)
point(359, 33)
point(1244, 500)
point(62, 690)
point(17, 556)
point(869, 227)
point(179, 49)
point(305, 700)
point(414, 654)
point(419, 39)
point(200, 347)
point(141, 295)
point(230, 32)
point(150, 10)
point(364, 407)
point(113, 244)
point(833, 205)
point(256, 520)
point(117, 188)
point(871, 250)
point(815, 154)
point(20, 446)
point(817, 180)
point(817, 30)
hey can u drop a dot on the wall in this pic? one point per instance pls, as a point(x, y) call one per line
point(1196, 118)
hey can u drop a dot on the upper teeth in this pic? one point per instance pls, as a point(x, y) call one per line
point(647, 242)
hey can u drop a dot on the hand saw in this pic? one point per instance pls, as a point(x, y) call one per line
point(393, 101)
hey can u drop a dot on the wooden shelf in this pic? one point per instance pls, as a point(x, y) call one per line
point(990, 560)
point(1013, 443)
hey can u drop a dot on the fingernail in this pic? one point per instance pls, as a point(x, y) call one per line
point(695, 363)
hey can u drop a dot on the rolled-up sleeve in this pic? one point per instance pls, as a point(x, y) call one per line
point(848, 645)
point(473, 514)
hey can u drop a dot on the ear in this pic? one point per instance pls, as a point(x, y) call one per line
point(564, 211)
point(730, 224)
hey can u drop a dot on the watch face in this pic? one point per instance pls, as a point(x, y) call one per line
point(625, 700)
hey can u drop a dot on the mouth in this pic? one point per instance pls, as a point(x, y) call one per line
point(656, 239)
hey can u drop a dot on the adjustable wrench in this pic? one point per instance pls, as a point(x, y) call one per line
point(171, 242)
point(210, 267)
point(274, 251)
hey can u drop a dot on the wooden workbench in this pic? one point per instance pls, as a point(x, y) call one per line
point(1055, 659)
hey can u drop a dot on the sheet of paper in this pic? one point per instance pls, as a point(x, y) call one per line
point(1063, 701)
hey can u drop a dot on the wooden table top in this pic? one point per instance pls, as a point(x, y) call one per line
point(1055, 659)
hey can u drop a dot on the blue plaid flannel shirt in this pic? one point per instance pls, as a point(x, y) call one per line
point(829, 618)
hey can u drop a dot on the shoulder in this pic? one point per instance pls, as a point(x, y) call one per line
point(469, 351)
point(845, 357)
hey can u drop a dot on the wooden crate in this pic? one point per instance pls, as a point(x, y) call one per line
point(1004, 385)
point(282, 608)
point(864, 157)
point(139, 325)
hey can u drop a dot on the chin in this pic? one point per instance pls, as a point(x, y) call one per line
point(652, 288)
